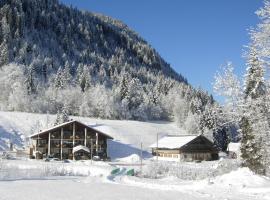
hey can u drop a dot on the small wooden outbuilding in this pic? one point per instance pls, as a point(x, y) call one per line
point(70, 140)
point(185, 148)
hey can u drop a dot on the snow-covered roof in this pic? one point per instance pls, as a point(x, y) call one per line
point(174, 142)
point(66, 123)
point(80, 147)
point(233, 146)
point(54, 127)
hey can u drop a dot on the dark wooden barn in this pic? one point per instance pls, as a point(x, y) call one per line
point(185, 148)
point(70, 140)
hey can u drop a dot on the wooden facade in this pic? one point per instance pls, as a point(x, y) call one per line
point(59, 141)
point(194, 148)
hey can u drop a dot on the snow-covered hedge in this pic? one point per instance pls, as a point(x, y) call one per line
point(17, 169)
point(189, 170)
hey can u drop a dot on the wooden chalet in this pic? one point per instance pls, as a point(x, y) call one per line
point(70, 140)
point(185, 148)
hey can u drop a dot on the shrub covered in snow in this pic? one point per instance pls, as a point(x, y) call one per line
point(189, 170)
point(18, 169)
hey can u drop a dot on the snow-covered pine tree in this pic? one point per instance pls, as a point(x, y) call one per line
point(4, 54)
point(65, 114)
point(251, 147)
point(58, 118)
point(254, 83)
point(62, 115)
point(83, 78)
point(66, 76)
point(5, 37)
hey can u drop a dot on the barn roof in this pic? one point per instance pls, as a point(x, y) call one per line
point(67, 123)
point(174, 142)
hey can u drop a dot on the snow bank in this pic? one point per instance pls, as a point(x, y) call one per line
point(189, 170)
point(134, 158)
point(241, 177)
point(18, 169)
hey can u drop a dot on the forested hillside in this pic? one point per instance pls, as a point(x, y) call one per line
point(57, 59)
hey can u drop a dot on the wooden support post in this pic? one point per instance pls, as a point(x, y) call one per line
point(97, 144)
point(36, 147)
point(107, 150)
point(49, 144)
point(61, 145)
point(141, 157)
point(85, 136)
point(73, 140)
point(157, 148)
point(91, 150)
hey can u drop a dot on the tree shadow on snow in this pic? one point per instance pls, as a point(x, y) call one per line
point(12, 136)
point(120, 150)
point(96, 125)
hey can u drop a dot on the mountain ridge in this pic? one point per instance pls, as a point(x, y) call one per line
point(28, 19)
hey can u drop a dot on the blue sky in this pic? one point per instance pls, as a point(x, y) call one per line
point(196, 37)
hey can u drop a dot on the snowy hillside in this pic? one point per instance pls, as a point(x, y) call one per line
point(128, 135)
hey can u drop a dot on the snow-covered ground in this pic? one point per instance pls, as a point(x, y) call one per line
point(84, 180)
point(166, 179)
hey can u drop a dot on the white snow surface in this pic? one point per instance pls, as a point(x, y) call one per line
point(134, 158)
point(93, 180)
point(173, 142)
point(234, 146)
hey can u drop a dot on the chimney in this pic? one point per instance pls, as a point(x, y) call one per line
point(11, 146)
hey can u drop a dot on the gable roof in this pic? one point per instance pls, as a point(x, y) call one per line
point(80, 147)
point(67, 123)
point(174, 142)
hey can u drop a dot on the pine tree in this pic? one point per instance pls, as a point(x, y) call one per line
point(66, 76)
point(251, 148)
point(30, 84)
point(58, 81)
point(255, 85)
point(83, 77)
point(65, 114)
point(58, 118)
point(254, 90)
point(4, 53)
point(62, 115)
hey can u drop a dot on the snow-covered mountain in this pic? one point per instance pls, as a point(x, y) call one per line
point(46, 35)
point(55, 58)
